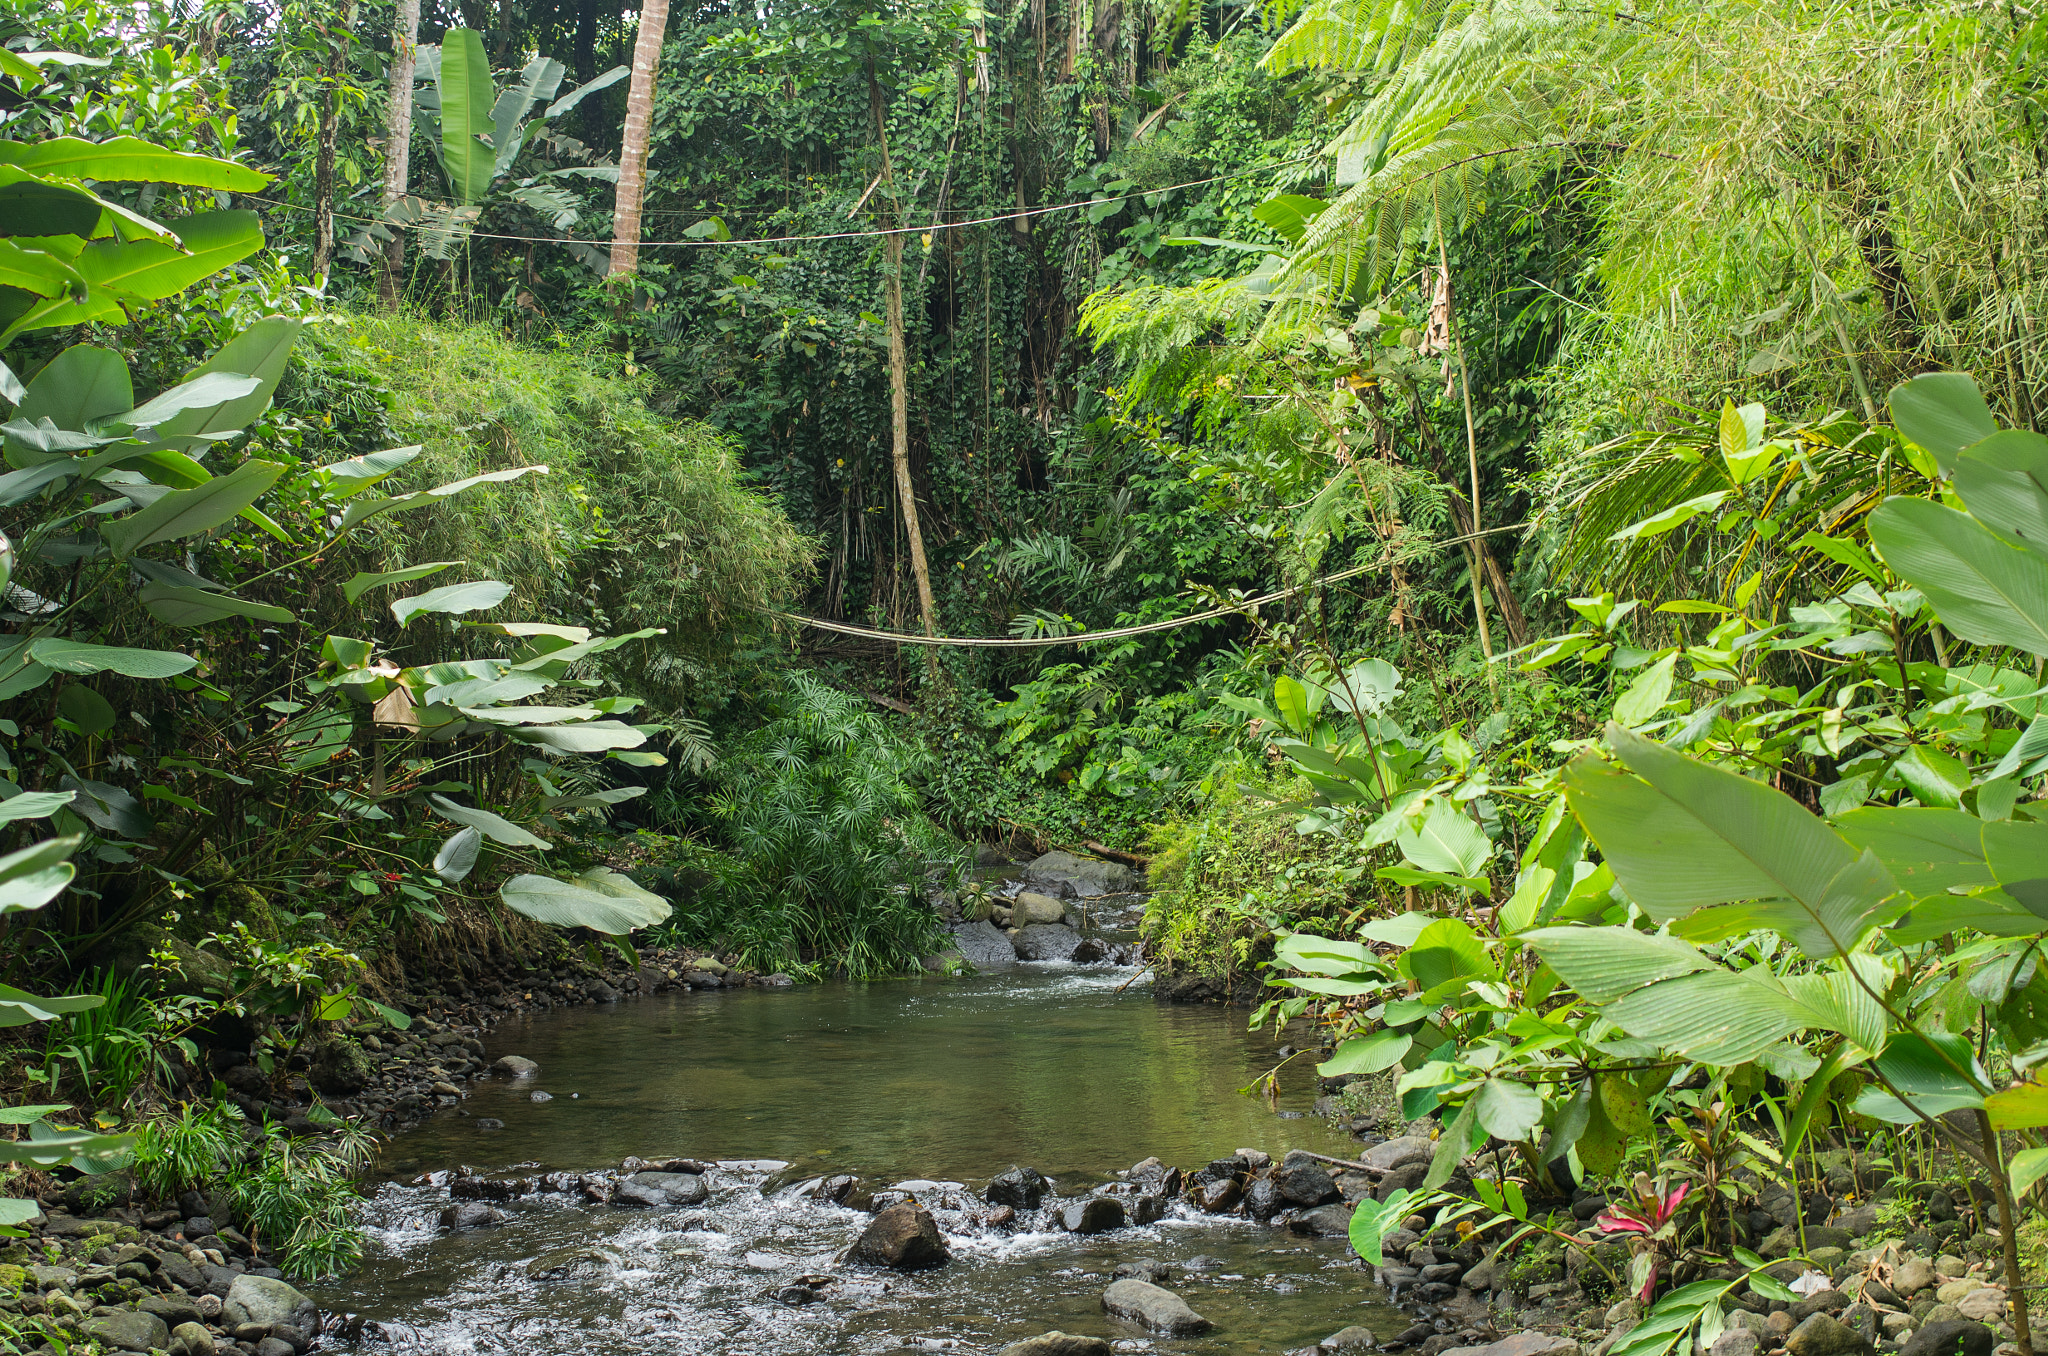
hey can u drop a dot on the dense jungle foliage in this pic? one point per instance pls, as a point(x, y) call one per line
point(1561, 490)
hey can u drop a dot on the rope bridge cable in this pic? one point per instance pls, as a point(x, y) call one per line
point(1147, 628)
point(708, 243)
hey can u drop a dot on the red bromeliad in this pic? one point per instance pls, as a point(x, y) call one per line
point(1652, 1218)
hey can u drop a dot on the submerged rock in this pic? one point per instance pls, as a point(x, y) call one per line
point(1057, 1344)
point(470, 1215)
point(903, 1237)
point(515, 1066)
point(563, 1264)
point(1154, 1309)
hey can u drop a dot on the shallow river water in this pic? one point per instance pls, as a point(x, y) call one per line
point(1047, 1066)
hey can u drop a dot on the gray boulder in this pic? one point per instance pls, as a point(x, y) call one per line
point(129, 1330)
point(1913, 1274)
point(1325, 1221)
point(1019, 1188)
point(1522, 1344)
point(1303, 1181)
point(676, 1188)
point(192, 1339)
point(1399, 1153)
point(902, 1237)
point(1047, 942)
point(1353, 1338)
point(1032, 907)
point(515, 1066)
point(983, 946)
point(260, 1300)
point(1090, 876)
point(1821, 1334)
point(1954, 1338)
point(1057, 1344)
point(1096, 1215)
point(470, 1215)
point(1153, 1309)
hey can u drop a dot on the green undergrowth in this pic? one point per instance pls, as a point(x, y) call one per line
point(1228, 877)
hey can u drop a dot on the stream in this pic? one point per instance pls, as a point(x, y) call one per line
point(1049, 1066)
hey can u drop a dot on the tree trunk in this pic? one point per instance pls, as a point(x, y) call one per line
point(633, 150)
point(585, 55)
point(899, 371)
point(405, 37)
point(338, 42)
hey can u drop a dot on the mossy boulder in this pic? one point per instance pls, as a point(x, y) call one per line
point(340, 1068)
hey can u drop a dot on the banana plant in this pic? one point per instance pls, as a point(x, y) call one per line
point(478, 132)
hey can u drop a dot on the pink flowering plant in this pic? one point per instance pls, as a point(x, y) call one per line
point(1650, 1218)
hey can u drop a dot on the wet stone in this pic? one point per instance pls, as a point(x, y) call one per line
point(1057, 1344)
point(904, 1238)
point(1155, 1309)
point(1019, 1188)
point(1096, 1215)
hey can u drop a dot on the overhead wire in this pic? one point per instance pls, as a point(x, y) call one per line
point(1144, 628)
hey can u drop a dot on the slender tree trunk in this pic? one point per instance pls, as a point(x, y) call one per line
point(585, 55)
point(633, 150)
point(405, 38)
point(339, 40)
point(899, 370)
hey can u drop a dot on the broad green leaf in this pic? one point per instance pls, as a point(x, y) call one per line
point(1935, 1073)
point(1943, 412)
point(1289, 214)
point(150, 270)
point(33, 805)
point(2016, 851)
point(1367, 1054)
point(1716, 1017)
point(364, 582)
point(569, 904)
point(186, 513)
point(530, 715)
point(1843, 552)
point(77, 656)
point(538, 82)
point(2003, 482)
point(1401, 929)
point(1685, 835)
point(1943, 915)
point(365, 509)
point(357, 474)
point(2024, 1106)
point(1408, 875)
point(16, 1210)
point(39, 272)
point(36, 207)
point(1323, 955)
point(179, 605)
point(466, 102)
point(79, 385)
point(497, 828)
point(1448, 949)
point(129, 159)
point(24, 891)
point(199, 396)
point(1644, 701)
point(1290, 699)
point(1935, 778)
point(1926, 850)
point(457, 857)
point(2028, 1166)
point(19, 1009)
point(586, 89)
point(1603, 964)
point(591, 736)
point(475, 596)
point(1657, 524)
point(1447, 841)
point(1985, 591)
point(1506, 1109)
point(62, 1148)
point(260, 351)
point(1372, 1221)
point(1741, 429)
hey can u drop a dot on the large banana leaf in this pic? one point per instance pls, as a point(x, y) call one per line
point(40, 272)
point(588, 903)
point(2003, 480)
point(185, 513)
point(538, 82)
point(129, 159)
point(150, 270)
point(259, 351)
point(81, 384)
point(465, 86)
point(30, 206)
point(1943, 412)
point(1986, 592)
point(1683, 835)
point(496, 827)
point(182, 605)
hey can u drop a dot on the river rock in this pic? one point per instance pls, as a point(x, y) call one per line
point(1046, 942)
point(260, 1300)
point(1019, 1188)
point(515, 1066)
point(1096, 1215)
point(1353, 1338)
point(1218, 1196)
point(982, 946)
point(1521, 1344)
point(1142, 1269)
point(563, 1264)
point(192, 1339)
point(1823, 1335)
point(1399, 1153)
point(1983, 1306)
point(903, 1237)
point(1154, 1309)
point(1325, 1221)
point(470, 1215)
point(1032, 907)
point(128, 1330)
point(174, 1310)
point(675, 1188)
point(1090, 876)
point(1262, 1199)
point(1734, 1342)
point(1303, 1181)
point(1954, 1338)
point(1912, 1275)
point(1952, 1292)
point(1057, 1344)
